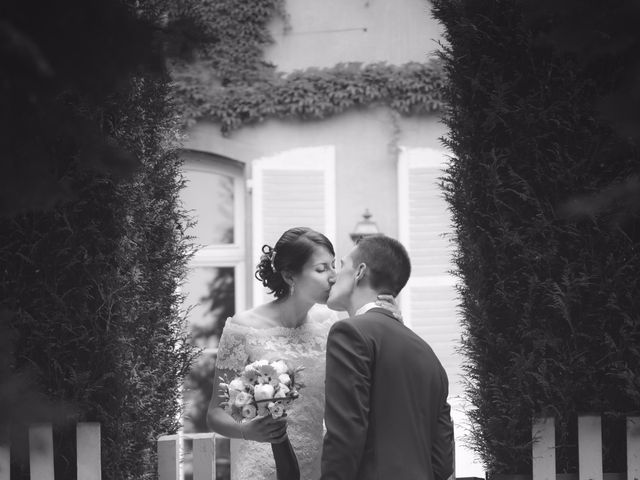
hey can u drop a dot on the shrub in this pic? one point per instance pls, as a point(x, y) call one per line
point(92, 242)
point(541, 187)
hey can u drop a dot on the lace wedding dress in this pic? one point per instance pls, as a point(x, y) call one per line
point(303, 346)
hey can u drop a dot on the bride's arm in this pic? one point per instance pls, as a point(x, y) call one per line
point(231, 359)
point(388, 302)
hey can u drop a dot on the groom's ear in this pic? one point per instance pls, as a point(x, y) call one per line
point(360, 272)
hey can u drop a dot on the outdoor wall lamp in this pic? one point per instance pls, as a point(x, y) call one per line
point(364, 228)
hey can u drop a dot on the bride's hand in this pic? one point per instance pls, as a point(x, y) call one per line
point(388, 302)
point(265, 429)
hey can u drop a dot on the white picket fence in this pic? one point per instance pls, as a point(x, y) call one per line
point(171, 454)
point(589, 448)
point(202, 462)
point(41, 452)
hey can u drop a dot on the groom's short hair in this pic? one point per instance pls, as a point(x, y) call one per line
point(387, 262)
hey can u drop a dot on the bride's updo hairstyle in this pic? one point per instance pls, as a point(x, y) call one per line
point(290, 253)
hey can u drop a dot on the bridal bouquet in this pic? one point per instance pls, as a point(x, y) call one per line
point(261, 388)
point(265, 388)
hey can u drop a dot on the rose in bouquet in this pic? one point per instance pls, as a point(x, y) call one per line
point(262, 388)
point(265, 388)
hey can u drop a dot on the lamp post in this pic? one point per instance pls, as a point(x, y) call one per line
point(364, 228)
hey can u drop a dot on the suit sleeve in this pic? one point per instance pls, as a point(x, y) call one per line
point(347, 391)
point(442, 454)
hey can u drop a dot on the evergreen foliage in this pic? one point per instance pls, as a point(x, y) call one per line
point(92, 242)
point(543, 189)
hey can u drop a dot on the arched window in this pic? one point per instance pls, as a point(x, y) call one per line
point(215, 287)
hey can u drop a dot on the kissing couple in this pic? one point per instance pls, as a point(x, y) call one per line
point(373, 402)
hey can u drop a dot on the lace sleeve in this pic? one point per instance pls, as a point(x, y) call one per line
point(232, 351)
point(231, 359)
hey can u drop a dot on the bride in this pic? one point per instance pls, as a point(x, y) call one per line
point(299, 270)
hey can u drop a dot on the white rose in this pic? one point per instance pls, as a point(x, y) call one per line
point(282, 391)
point(280, 367)
point(236, 384)
point(263, 392)
point(242, 398)
point(284, 378)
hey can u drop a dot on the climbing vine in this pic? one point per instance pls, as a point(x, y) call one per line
point(229, 81)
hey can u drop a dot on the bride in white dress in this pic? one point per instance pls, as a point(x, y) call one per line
point(300, 271)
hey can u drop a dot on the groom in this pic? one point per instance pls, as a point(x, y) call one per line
point(386, 414)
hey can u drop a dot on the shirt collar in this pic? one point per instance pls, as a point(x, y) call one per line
point(365, 308)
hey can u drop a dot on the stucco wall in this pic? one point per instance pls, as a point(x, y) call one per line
point(326, 32)
point(366, 159)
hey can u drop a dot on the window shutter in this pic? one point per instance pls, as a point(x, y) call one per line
point(429, 299)
point(295, 188)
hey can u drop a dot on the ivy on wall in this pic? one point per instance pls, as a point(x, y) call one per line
point(229, 82)
point(413, 88)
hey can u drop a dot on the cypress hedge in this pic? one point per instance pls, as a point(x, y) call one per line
point(92, 242)
point(543, 189)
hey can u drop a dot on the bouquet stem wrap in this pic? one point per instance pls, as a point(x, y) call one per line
point(286, 461)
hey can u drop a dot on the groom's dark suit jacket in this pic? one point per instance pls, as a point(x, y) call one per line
point(386, 414)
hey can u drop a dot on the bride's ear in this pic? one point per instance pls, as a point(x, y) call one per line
point(288, 278)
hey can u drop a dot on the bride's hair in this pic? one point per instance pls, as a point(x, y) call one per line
point(290, 253)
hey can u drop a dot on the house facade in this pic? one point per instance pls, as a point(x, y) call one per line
point(245, 188)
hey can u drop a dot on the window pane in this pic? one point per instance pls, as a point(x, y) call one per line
point(210, 294)
point(209, 196)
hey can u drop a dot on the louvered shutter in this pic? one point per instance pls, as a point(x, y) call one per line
point(429, 299)
point(295, 188)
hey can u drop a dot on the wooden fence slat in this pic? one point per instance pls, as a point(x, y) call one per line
point(41, 452)
point(5, 454)
point(168, 457)
point(234, 453)
point(543, 454)
point(633, 448)
point(88, 448)
point(204, 458)
point(590, 447)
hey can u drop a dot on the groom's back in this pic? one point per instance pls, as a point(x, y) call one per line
point(409, 388)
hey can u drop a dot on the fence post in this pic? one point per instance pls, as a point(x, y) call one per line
point(5, 454)
point(204, 459)
point(88, 451)
point(590, 447)
point(543, 450)
point(633, 448)
point(41, 452)
point(168, 457)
